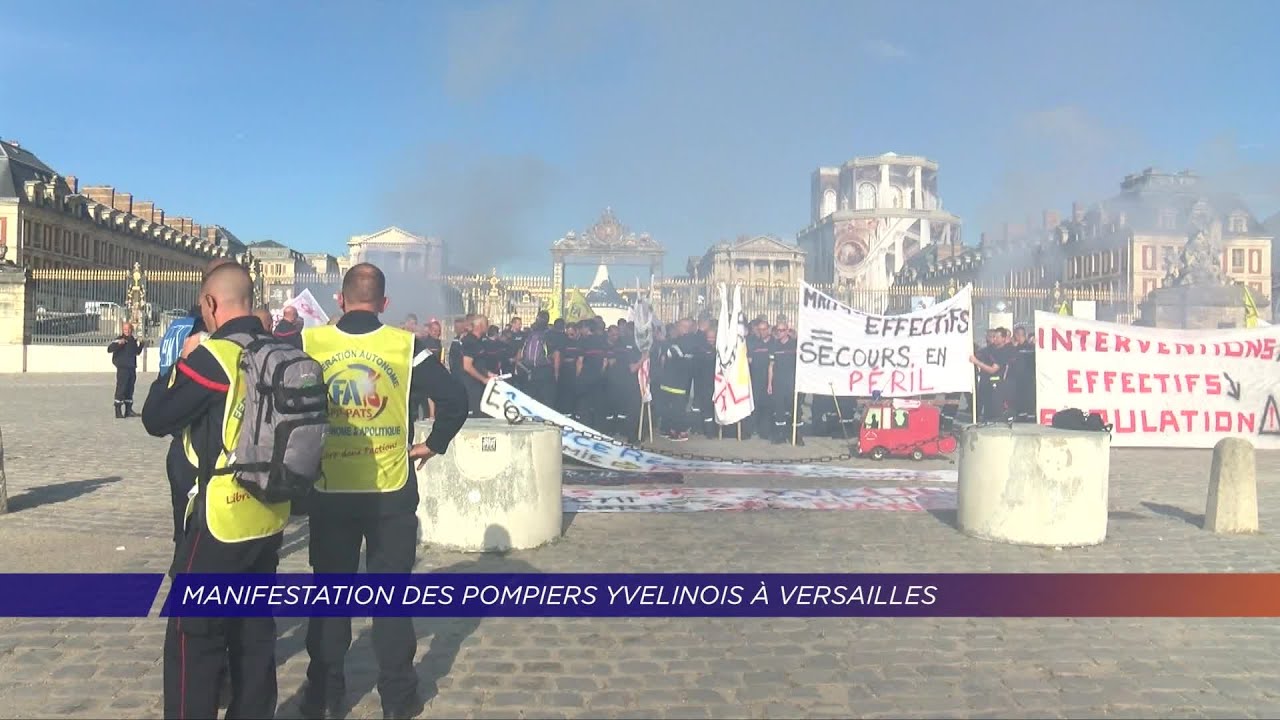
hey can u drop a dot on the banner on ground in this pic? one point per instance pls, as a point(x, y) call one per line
point(849, 353)
point(669, 500)
point(583, 444)
point(1161, 387)
point(309, 311)
point(732, 397)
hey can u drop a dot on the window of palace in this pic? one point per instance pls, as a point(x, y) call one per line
point(828, 202)
point(1239, 224)
point(866, 196)
point(1255, 261)
point(1237, 260)
point(1168, 220)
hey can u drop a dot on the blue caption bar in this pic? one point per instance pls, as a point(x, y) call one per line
point(563, 595)
point(81, 595)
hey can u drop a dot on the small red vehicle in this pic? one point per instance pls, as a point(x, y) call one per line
point(903, 428)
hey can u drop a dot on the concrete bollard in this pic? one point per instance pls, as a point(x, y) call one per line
point(1232, 506)
point(498, 488)
point(1033, 485)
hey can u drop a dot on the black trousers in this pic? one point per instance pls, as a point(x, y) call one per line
point(622, 394)
point(672, 410)
point(784, 402)
point(126, 377)
point(475, 395)
point(540, 384)
point(197, 651)
point(762, 417)
point(566, 391)
point(590, 407)
point(391, 544)
point(182, 476)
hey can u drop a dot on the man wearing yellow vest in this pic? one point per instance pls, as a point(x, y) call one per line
point(226, 530)
point(368, 492)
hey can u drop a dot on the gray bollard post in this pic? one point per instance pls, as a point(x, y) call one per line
point(1232, 506)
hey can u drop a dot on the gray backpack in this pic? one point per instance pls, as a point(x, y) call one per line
point(285, 422)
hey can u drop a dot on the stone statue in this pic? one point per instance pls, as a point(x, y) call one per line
point(1199, 263)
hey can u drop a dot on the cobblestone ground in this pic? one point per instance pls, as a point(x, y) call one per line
point(88, 494)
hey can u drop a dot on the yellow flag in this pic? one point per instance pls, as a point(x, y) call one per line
point(1064, 308)
point(553, 308)
point(576, 308)
point(1250, 310)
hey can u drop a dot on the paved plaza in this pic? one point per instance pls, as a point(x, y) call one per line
point(88, 494)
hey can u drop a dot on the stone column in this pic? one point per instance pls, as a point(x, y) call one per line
point(882, 193)
point(917, 200)
point(15, 318)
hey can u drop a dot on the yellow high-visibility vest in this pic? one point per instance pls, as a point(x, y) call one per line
point(367, 450)
point(232, 514)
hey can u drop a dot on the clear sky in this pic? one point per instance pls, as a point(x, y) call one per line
point(499, 126)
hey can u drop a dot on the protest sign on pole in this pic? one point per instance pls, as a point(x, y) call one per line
point(309, 311)
point(641, 315)
point(1161, 387)
point(732, 393)
point(856, 354)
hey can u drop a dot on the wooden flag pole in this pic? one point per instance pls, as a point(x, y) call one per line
point(795, 409)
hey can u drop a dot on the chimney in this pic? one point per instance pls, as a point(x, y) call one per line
point(123, 202)
point(145, 209)
point(1077, 212)
point(158, 216)
point(1051, 219)
point(104, 194)
point(73, 183)
point(197, 230)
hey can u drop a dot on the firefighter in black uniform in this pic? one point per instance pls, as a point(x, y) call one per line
point(372, 497)
point(227, 531)
point(461, 328)
point(622, 385)
point(782, 384)
point(124, 355)
point(591, 405)
point(758, 365)
point(289, 329)
point(704, 380)
point(565, 363)
point(475, 362)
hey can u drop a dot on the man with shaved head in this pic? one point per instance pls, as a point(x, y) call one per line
point(379, 377)
point(290, 328)
point(226, 530)
point(125, 350)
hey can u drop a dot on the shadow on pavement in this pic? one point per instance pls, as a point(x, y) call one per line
point(946, 517)
point(1176, 513)
point(57, 493)
point(447, 634)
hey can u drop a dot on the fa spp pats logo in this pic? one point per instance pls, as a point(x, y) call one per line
point(488, 443)
point(354, 393)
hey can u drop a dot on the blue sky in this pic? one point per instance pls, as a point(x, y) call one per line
point(500, 125)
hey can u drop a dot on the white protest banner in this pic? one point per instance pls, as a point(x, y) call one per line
point(641, 315)
point(732, 392)
point(846, 352)
point(309, 311)
point(583, 444)
point(1161, 387)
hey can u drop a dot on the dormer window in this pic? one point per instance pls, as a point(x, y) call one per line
point(1168, 220)
point(1238, 224)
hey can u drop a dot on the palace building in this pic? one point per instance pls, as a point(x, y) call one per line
point(397, 251)
point(869, 216)
point(1121, 249)
point(48, 221)
point(750, 260)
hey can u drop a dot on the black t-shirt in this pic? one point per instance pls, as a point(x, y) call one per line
point(593, 348)
point(758, 357)
point(570, 349)
point(783, 356)
point(472, 347)
point(430, 343)
point(704, 364)
point(518, 338)
point(497, 355)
